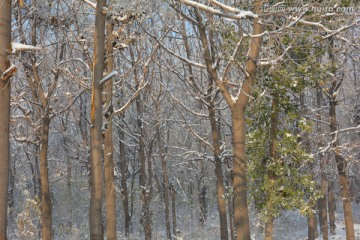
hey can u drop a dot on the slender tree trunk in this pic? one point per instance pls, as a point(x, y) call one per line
point(229, 182)
point(46, 217)
point(312, 226)
point(165, 182)
point(145, 193)
point(96, 183)
point(124, 188)
point(322, 201)
point(173, 208)
point(5, 39)
point(332, 207)
point(341, 168)
point(110, 197)
point(201, 191)
point(339, 159)
point(220, 189)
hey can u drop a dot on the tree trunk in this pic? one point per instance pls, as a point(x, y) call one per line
point(322, 201)
point(96, 184)
point(312, 226)
point(124, 188)
point(5, 39)
point(110, 196)
point(341, 168)
point(220, 189)
point(332, 207)
point(339, 159)
point(165, 182)
point(173, 208)
point(145, 193)
point(241, 211)
point(46, 217)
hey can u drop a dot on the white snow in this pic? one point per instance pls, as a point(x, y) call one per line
point(108, 77)
point(18, 47)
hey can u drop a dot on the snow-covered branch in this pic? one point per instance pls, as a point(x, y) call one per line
point(90, 3)
point(18, 47)
point(108, 77)
point(8, 73)
point(240, 13)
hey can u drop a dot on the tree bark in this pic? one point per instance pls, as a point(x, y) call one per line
point(312, 226)
point(332, 207)
point(110, 196)
point(96, 182)
point(124, 188)
point(46, 217)
point(341, 168)
point(322, 201)
point(173, 208)
point(220, 189)
point(5, 39)
point(241, 212)
point(165, 181)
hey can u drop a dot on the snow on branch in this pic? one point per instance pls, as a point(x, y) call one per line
point(108, 77)
point(91, 4)
point(18, 47)
point(8, 73)
point(240, 13)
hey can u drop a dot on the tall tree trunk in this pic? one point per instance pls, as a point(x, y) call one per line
point(269, 225)
point(312, 226)
point(5, 39)
point(124, 188)
point(201, 191)
point(341, 168)
point(46, 217)
point(339, 159)
point(145, 196)
point(173, 208)
point(322, 201)
point(220, 189)
point(96, 182)
point(241, 211)
point(331, 206)
point(110, 197)
point(165, 181)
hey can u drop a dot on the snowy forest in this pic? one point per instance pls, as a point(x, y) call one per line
point(179, 119)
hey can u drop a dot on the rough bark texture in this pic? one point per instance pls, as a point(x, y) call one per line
point(96, 182)
point(5, 39)
point(110, 197)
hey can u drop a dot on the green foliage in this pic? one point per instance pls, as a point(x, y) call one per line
point(292, 188)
